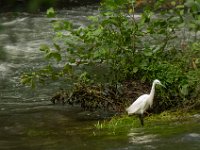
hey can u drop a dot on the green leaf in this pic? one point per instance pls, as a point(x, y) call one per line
point(184, 90)
point(173, 3)
point(45, 48)
point(93, 18)
point(58, 25)
point(190, 3)
point(57, 46)
point(135, 70)
point(148, 53)
point(54, 55)
point(50, 12)
point(180, 6)
point(25, 79)
point(67, 69)
point(67, 25)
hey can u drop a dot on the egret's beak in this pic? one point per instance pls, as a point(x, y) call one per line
point(162, 85)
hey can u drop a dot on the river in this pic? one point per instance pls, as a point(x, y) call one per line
point(28, 120)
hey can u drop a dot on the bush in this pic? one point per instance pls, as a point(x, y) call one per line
point(118, 46)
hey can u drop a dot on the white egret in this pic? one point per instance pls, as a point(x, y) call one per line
point(141, 104)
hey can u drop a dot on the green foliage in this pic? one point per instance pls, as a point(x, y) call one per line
point(51, 54)
point(164, 124)
point(50, 12)
point(118, 45)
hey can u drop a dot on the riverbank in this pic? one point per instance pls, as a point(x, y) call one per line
point(164, 124)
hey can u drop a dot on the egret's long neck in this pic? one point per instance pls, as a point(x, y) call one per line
point(152, 94)
point(152, 90)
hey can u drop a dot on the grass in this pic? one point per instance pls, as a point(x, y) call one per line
point(164, 124)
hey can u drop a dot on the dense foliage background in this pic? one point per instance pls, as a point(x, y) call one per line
point(119, 46)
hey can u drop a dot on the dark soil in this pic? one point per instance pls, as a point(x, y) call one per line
point(107, 97)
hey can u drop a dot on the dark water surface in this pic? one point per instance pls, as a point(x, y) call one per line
point(27, 118)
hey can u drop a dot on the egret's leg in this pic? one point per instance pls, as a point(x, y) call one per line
point(141, 117)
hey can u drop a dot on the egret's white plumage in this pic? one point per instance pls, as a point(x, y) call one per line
point(145, 101)
point(139, 105)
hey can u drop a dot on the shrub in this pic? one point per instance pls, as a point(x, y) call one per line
point(118, 46)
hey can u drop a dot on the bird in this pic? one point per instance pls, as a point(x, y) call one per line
point(142, 103)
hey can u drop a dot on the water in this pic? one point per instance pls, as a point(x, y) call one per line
point(27, 118)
